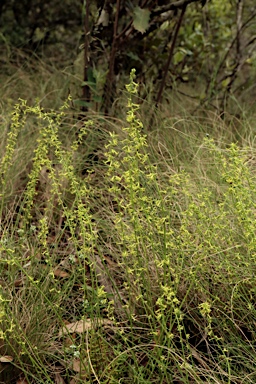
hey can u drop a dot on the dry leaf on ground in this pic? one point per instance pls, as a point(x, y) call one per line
point(21, 381)
point(76, 365)
point(6, 359)
point(79, 367)
point(58, 379)
point(82, 326)
point(60, 273)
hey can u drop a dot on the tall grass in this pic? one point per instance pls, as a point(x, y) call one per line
point(139, 268)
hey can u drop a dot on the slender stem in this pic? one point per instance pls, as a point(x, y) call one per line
point(86, 88)
point(160, 92)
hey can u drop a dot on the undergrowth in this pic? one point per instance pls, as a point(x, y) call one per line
point(136, 270)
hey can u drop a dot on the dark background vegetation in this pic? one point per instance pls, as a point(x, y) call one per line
point(138, 219)
point(202, 50)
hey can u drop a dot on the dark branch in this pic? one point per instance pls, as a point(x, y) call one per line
point(173, 6)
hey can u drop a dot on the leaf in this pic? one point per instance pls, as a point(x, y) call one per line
point(97, 99)
point(76, 365)
point(133, 56)
point(104, 18)
point(81, 326)
point(82, 103)
point(178, 57)
point(59, 379)
point(19, 282)
point(39, 34)
point(90, 84)
point(78, 327)
point(91, 78)
point(60, 273)
point(6, 359)
point(22, 381)
point(141, 19)
point(225, 82)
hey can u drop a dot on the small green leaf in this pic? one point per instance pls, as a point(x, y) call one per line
point(141, 19)
point(97, 99)
point(225, 82)
point(178, 57)
point(82, 103)
point(133, 56)
point(89, 83)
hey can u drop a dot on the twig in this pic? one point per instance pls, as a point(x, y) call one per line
point(86, 88)
point(159, 95)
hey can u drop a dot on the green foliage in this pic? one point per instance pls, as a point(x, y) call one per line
point(213, 52)
point(137, 271)
point(141, 19)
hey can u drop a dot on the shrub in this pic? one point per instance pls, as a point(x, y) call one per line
point(126, 274)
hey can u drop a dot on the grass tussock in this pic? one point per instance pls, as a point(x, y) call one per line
point(136, 265)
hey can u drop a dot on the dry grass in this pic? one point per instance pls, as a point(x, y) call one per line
point(134, 264)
